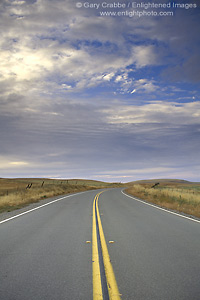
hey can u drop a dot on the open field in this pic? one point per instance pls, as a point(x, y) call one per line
point(179, 195)
point(16, 193)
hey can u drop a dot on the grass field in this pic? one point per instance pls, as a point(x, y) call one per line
point(16, 193)
point(181, 196)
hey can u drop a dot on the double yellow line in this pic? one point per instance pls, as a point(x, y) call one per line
point(110, 276)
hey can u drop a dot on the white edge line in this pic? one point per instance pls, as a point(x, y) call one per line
point(28, 211)
point(168, 211)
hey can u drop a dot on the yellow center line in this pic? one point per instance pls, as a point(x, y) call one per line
point(97, 286)
point(110, 276)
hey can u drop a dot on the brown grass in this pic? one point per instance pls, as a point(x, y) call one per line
point(180, 197)
point(14, 193)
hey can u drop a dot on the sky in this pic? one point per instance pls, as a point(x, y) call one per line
point(103, 90)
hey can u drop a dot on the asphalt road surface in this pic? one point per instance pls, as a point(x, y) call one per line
point(47, 254)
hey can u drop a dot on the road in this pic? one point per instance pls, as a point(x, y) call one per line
point(47, 253)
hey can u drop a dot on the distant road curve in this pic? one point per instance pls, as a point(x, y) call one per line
point(46, 253)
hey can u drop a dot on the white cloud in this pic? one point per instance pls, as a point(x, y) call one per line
point(25, 63)
point(144, 56)
point(65, 86)
point(157, 112)
point(118, 78)
point(145, 85)
point(39, 47)
point(11, 162)
point(108, 77)
point(18, 163)
point(19, 2)
point(129, 172)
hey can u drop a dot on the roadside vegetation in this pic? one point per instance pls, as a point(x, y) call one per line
point(16, 193)
point(178, 196)
point(181, 196)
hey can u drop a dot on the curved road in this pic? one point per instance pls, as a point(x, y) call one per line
point(47, 254)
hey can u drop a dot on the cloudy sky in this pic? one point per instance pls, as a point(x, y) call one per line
point(85, 95)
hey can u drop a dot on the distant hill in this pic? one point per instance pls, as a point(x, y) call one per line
point(161, 181)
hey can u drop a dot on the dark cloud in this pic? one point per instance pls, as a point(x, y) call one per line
point(77, 137)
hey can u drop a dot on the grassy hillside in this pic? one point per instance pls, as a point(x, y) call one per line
point(16, 193)
point(161, 181)
point(179, 195)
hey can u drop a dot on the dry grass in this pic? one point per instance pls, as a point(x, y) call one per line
point(15, 194)
point(183, 198)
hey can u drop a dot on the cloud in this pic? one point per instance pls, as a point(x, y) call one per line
point(76, 90)
point(144, 56)
point(133, 91)
point(10, 163)
point(49, 43)
point(61, 44)
point(24, 63)
point(73, 138)
point(156, 112)
point(108, 77)
point(18, 163)
point(145, 85)
point(149, 173)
